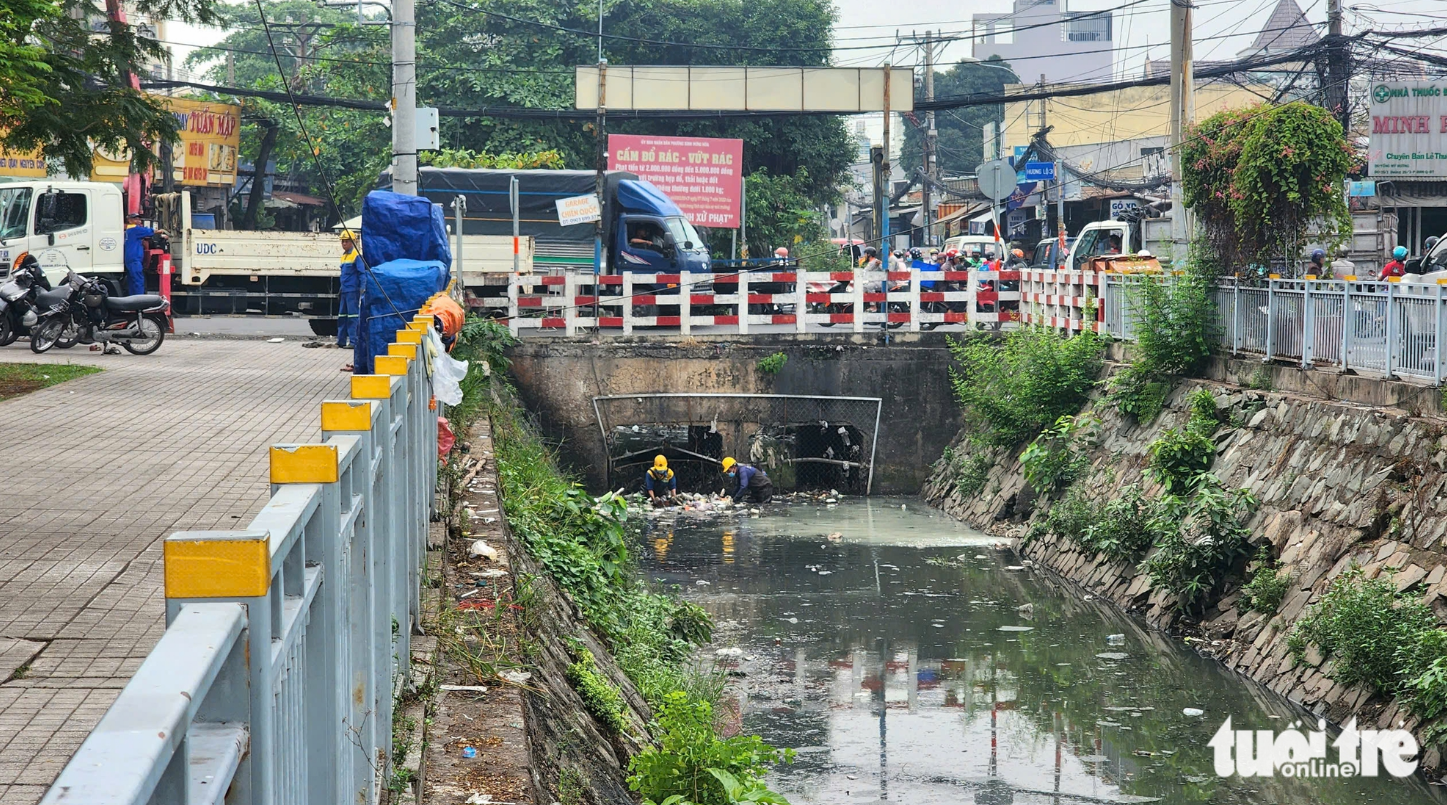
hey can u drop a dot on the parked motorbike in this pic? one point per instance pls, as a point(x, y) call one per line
point(137, 323)
point(23, 294)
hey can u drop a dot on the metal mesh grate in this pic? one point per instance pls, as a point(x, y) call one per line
point(801, 441)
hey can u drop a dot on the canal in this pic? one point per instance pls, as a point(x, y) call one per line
point(905, 657)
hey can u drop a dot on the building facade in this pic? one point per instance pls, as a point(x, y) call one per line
point(1064, 46)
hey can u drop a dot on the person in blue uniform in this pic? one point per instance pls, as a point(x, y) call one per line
point(659, 482)
point(135, 254)
point(348, 289)
point(752, 482)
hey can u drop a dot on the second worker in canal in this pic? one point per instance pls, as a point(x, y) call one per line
point(660, 482)
point(753, 483)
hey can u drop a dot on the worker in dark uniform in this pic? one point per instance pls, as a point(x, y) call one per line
point(752, 482)
point(660, 483)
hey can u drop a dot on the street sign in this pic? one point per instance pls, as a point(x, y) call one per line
point(1358, 189)
point(997, 179)
point(578, 210)
point(1039, 172)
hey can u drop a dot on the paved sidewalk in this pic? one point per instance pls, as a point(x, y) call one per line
point(98, 471)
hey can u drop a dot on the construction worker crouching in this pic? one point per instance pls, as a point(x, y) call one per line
point(659, 482)
point(753, 483)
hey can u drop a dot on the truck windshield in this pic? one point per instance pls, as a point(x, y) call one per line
point(683, 232)
point(14, 211)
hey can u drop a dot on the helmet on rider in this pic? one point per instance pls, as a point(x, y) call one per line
point(781, 252)
point(915, 254)
point(1020, 253)
point(870, 251)
point(1318, 256)
point(1399, 252)
point(1429, 243)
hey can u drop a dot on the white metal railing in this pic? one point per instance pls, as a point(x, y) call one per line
point(1393, 329)
point(274, 679)
point(911, 300)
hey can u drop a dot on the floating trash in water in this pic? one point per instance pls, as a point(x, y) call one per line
point(977, 556)
point(700, 583)
point(835, 537)
point(1115, 640)
point(1193, 712)
point(825, 572)
point(1112, 655)
point(791, 620)
point(1015, 629)
point(469, 752)
point(1014, 567)
point(729, 652)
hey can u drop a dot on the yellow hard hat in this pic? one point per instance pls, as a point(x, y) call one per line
point(347, 235)
point(660, 463)
point(728, 463)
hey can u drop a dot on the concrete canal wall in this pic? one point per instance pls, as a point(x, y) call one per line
point(1338, 482)
point(557, 379)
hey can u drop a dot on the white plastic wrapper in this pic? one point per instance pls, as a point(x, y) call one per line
point(447, 377)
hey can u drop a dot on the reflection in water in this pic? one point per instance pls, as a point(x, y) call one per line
point(898, 679)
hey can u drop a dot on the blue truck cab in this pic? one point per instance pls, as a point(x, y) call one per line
point(653, 236)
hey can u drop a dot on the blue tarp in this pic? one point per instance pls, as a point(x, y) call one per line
point(641, 196)
point(398, 227)
point(392, 293)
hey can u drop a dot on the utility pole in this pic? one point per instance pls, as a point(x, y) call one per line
point(404, 97)
point(884, 170)
point(1183, 112)
point(931, 135)
point(1335, 91)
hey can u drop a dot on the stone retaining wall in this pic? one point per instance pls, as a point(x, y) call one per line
point(1338, 483)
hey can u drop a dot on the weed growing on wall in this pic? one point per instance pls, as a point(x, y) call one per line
point(773, 364)
point(1199, 540)
point(1267, 586)
point(601, 698)
point(1172, 318)
point(1123, 529)
point(1011, 390)
point(1055, 457)
point(690, 756)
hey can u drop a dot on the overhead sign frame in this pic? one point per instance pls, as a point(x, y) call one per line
point(845, 90)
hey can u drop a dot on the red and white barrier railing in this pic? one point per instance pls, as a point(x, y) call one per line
point(850, 301)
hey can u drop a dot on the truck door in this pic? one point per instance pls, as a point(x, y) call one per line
point(642, 246)
point(64, 236)
point(1097, 239)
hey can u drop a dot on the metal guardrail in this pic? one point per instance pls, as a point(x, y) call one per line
point(274, 680)
point(912, 300)
point(1392, 329)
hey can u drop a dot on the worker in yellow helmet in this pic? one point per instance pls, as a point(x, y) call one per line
point(751, 482)
point(660, 483)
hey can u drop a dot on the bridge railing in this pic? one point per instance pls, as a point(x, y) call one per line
point(274, 679)
point(854, 300)
point(1393, 329)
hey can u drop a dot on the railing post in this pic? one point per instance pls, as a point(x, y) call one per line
point(234, 566)
point(1437, 335)
point(570, 304)
point(801, 302)
point(323, 728)
point(914, 304)
point(628, 303)
point(1235, 316)
point(1270, 317)
point(1308, 324)
point(1391, 327)
point(743, 308)
point(858, 292)
point(1348, 321)
point(685, 302)
point(513, 281)
point(357, 691)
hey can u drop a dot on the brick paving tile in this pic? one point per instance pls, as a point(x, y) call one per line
point(99, 471)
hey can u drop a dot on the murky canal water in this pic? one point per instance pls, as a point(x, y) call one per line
point(897, 677)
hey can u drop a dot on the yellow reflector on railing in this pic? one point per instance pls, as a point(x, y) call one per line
point(402, 350)
point(389, 365)
point(409, 336)
point(304, 464)
point(217, 564)
point(371, 387)
point(346, 415)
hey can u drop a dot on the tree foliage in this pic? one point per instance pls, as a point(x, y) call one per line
point(960, 141)
point(509, 56)
point(64, 79)
point(1011, 391)
point(1260, 178)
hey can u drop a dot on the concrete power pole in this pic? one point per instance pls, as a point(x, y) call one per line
point(1336, 92)
point(931, 136)
point(404, 97)
point(1183, 112)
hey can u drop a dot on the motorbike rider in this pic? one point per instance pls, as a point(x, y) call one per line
point(1396, 267)
point(1316, 266)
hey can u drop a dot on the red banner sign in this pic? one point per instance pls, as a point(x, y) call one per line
point(703, 175)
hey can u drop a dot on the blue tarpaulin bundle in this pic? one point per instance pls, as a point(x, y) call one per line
point(398, 227)
point(392, 293)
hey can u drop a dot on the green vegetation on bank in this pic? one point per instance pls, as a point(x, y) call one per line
point(583, 543)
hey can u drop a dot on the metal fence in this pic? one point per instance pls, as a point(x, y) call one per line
point(801, 440)
point(1392, 329)
point(274, 680)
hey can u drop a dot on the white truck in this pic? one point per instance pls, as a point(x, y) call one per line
point(79, 225)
